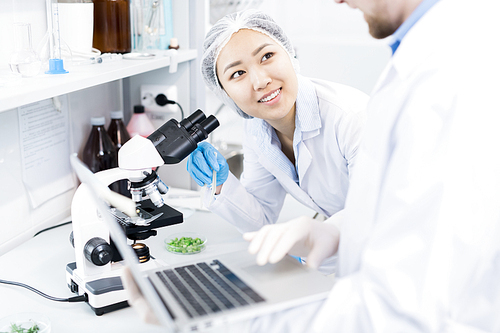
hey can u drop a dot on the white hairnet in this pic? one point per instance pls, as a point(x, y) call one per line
point(221, 33)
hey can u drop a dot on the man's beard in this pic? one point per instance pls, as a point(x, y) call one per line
point(379, 28)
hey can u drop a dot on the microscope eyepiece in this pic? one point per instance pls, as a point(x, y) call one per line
point(210, 124)
point(175, 141)
point(201, 130)
point(195, 117)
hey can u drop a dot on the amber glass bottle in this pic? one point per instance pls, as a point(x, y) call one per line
point(117, 130)
point(119, 135)
point(112, 26)
point(100, 152)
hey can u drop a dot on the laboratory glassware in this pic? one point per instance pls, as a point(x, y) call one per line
point(151, 31)
point(117, 130)
point(119, 135)
point(56, 64)
point(24, 60)
point(151, 25)
point(99, 152)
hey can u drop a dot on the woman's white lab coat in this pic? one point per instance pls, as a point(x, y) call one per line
point(420, 242)
point(329, 123)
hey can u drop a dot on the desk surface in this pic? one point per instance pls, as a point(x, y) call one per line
point(41, 263)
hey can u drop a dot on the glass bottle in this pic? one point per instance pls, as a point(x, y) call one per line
point(117, 130)
point(119, 135)
point(140, 124)
point(112, 26)
point(99, 152)
point(24, 60)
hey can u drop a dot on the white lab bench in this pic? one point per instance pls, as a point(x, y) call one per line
point(41, 263)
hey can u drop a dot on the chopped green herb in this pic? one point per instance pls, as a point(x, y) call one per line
point(19, 329)
point(185, 245)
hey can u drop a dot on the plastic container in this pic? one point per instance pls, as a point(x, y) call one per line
point(140, 124)
point(99, 152)
point(112, 26)
point(119, 135)
point(76, 24)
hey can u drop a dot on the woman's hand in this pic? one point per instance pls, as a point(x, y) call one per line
point(201, 163)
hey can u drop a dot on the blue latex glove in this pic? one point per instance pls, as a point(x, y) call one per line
point(203, 160)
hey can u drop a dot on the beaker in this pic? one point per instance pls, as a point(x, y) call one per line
point(151, 25)
point(24, 60)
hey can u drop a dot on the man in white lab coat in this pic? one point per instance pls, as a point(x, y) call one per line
point(419, 246)
point(420, 235)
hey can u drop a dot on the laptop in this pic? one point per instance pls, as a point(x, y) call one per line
point(199, 295)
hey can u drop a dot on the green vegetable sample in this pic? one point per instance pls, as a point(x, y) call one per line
point(185, 245)
point(19, 329)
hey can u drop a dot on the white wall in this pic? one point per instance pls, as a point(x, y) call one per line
point(331, 40)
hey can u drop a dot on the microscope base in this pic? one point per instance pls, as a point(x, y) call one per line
point(109, 308)
point(105, 292)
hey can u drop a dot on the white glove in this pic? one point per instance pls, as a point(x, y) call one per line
point(303, 236)
point(136, 300)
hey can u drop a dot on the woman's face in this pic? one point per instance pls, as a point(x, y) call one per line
point(257, 73)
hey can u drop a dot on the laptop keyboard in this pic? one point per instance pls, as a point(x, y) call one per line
point(204, 288)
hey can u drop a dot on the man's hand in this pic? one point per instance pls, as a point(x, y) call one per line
point(302, 236)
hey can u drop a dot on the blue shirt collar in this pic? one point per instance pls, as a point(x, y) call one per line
point(399, 34)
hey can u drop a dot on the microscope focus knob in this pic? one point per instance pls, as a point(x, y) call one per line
point(98, 251)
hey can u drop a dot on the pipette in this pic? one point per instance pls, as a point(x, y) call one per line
point(214, 186)
point(56, 65)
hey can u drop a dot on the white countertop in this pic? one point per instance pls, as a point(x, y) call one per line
point(41, 263)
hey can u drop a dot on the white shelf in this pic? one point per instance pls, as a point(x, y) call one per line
point(29, 90)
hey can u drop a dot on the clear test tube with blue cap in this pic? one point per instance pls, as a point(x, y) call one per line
point(56, 65)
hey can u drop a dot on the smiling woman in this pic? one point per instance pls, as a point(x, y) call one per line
point(301, 135)
point(258, 75)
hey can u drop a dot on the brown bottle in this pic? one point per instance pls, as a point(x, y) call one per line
point(100, 152)
point(119, 135)
point(112, 26)
point(117, 130)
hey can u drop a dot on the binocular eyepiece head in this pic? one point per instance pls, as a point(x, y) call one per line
point(176, 140)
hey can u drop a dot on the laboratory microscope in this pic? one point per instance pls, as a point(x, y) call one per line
point(97, 270)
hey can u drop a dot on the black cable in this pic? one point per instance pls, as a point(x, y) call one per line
point(53, 227)
point(182, 111)
point(80, 298)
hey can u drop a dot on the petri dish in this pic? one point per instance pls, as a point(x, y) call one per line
point(186, 243)
point(24, 321)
